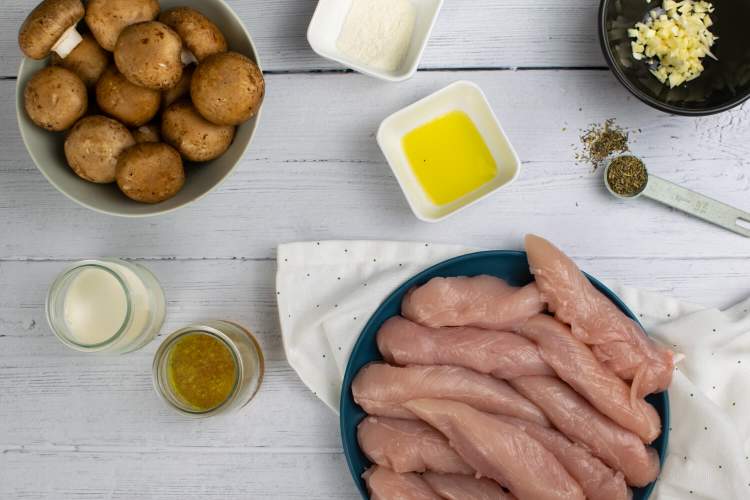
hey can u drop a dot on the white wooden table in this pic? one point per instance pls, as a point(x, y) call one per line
point(74, 426)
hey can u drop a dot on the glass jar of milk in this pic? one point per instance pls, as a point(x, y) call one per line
point(107, 306)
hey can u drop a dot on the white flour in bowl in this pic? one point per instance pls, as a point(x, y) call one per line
point(377, 33)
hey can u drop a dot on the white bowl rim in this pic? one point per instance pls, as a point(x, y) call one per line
point(460, 208)
point(19, 117)
point(412, 69)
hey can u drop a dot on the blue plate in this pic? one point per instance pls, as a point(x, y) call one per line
point(508, 265)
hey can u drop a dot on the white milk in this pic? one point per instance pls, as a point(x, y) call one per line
point(95, 306)
point(108, 305)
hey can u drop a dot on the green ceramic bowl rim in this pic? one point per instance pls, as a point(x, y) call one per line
point(156, 211)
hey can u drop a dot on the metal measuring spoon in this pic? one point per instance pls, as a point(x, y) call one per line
point(686, 200)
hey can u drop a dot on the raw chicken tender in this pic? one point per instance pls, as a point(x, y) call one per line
point(408, 446)
point(459, 487)
point(381, 390)
point(576, 364)
point(480, 301)
point(384, 484)
point(616, 340)
point(598, 481)
point(501, 354)
point(499, 451)
point(582, 423)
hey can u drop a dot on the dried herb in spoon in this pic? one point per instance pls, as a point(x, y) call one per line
point(627, 175)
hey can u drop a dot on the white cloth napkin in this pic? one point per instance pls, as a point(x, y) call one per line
point(327, 291)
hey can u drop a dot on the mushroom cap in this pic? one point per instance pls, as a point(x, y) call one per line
point(147, 133)
point(227, 88)
point(93, 146)
point(182, 89)
point(199, 34)
point(128, 103)
point(88, 60)
point(107, 18)
point(55, 98)
point(196, 138)
point(148, 54)
point(150, 172)
point(45, 25)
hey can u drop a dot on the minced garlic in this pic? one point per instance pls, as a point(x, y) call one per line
point(678, 36)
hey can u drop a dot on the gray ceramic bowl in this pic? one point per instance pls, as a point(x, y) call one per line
point(46, 148)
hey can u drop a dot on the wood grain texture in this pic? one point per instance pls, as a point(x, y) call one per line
point(315, 171)
point(53, 397)
point(469, 33)
point(80, 427)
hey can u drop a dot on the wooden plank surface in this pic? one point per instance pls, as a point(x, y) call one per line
point(469, 33)
point(314, 171)
point(77, 427)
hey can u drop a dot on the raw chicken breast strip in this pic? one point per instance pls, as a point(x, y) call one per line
point(499, 450)
point(616, 340)
point(598, 481)
point(408, 446)
point(500, 354)
point(480, 301)
point(582, 423)
point(384, 484)
point(381, 390)
point(576, 364)
point(459, 487)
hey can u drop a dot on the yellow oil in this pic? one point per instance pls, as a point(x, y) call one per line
point(449, 157)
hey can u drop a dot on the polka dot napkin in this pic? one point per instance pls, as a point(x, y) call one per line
point(327, 290)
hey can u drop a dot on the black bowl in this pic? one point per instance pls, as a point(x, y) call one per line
point(723, 84)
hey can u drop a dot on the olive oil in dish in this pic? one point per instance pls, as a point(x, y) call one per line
point(449, 157)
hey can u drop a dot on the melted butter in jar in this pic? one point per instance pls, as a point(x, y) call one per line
point(206, 369)
point(201, 371)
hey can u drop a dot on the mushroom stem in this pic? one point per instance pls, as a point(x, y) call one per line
point(187, 57)
point(67, 42)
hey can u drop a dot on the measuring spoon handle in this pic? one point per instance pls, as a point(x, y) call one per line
point(698, 205)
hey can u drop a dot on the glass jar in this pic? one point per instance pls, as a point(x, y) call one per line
point(246, 356)
point(106, 306)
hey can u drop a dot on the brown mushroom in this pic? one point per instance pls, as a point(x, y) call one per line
point(199, 34)
point(150, 172)
point(107, 18)
point(55, 98)
point(182, 89)
point(51, 27)
point(196, 138)
point(227, 88)
point(148, 54)
point(93, 147)
point(88, 60)
point(129, 103)
point(147, 133)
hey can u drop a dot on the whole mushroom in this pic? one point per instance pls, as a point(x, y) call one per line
point(148, 54)
point(88, 60)
point(193, 136)
point(227, 88)
point(55, 98)
point(199, 34)
point(107, 18)
point(146, 133)
point(93, 147)
point(182, 89)
point(150, 172)
point(51, 27)
point(129, 103)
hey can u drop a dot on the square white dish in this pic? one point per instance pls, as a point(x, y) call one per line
point(459, 96)
point(329, 18)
